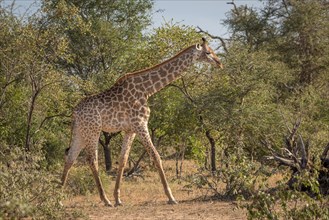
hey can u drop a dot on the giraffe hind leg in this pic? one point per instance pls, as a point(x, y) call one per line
point(92, 157)
point(71, 155)
point(88, 141)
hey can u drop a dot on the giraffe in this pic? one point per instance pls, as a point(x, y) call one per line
point(124, 107)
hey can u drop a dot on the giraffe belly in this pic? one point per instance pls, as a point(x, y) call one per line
point(118, 122)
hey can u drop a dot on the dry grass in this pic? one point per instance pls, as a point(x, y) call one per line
point(145, 199)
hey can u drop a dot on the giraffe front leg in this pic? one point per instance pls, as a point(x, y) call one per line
point(146, 140)
point(128, 139)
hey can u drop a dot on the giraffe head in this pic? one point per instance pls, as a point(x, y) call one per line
point(207, 54)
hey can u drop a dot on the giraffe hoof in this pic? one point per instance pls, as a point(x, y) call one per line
point(118, 204)
point(172, 202)
point(107, 203)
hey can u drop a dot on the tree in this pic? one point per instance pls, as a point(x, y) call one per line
point(99, 34)
point(304, 23)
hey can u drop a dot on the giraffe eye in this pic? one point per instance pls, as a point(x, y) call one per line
point(208, 53)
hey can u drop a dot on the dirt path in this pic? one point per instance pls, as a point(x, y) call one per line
point(145, 199)
point(153, 209)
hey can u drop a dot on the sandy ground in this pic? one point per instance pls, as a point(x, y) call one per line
point(154, 209)
point(145, 199)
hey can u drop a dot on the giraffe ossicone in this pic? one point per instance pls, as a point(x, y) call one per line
point(124, 107)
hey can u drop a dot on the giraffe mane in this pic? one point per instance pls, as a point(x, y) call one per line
point(140, 72)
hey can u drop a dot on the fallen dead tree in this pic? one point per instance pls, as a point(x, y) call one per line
point(295, 155)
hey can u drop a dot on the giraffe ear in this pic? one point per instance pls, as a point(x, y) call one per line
point(198, 47)
point(204, 41)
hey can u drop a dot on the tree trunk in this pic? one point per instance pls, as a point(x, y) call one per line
point(108, 158)
point(182, 161)
point(29, 124)
point(35, 93)
point(212, 151)
point(206, 159)
point(107, 150)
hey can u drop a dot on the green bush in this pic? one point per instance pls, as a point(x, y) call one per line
point(236, 177)
point(80, 181)
point(284, 203)
point(27, 190)
point(240, 179)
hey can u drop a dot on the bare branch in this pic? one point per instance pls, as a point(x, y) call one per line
point(283, 161)
point(51, 117)
point(290, 142)
point(304, 160)
point(285, 120)
point(290, 154)
point(214, 37)
point(101, 142)
point(294, 129)
point(234, 5)
point(136, 164)
point(286, 5)
point(184, 91)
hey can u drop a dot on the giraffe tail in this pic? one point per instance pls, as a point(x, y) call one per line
point(67, 150)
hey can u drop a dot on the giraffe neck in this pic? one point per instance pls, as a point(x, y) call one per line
point(154, 79)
